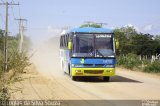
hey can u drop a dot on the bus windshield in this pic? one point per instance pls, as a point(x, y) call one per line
point(83, 45)
point(103, 45)
point(93, 45)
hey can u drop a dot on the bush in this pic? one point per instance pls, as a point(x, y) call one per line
point(17, 62)
point(120, 60)
point(1, 63)
point(129, 61)
point(154, 67)
point(4, 95)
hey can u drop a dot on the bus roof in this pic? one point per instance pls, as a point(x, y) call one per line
point(91, 30)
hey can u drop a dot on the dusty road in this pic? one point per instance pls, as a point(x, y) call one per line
point(45, 80)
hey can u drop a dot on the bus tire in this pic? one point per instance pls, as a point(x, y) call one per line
point(106, 78)
point(73, 78)
point(69, 69)
point(70, 72)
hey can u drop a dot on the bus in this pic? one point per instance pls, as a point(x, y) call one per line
point(87, 52)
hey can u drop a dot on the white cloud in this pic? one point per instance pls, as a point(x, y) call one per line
point(129, 25)
point(148, 27)
point(135, 27)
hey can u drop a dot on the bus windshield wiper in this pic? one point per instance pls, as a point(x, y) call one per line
point(97, 51)
point(90, 52)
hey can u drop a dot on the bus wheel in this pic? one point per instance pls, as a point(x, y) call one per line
point(73, 78)
point(106, 78)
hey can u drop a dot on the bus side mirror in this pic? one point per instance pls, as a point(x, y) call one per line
point(117, 44)
point(69, 45)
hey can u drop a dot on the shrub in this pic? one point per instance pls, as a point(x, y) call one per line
point(4, 95)
point(129, 61)
point(17, 62)
point(121, 60)
point(154, 67)
point(1, 63)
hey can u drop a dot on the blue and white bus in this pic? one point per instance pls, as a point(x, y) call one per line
point(88, 52)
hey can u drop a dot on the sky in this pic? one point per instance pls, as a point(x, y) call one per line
point(47, 18)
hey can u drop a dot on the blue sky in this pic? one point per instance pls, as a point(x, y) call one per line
point(46, 17)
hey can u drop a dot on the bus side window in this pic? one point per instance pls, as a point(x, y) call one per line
point(61, 42)
point(65, 41)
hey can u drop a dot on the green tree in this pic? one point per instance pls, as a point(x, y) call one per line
point(157, 40)
point(121, 38)
point(124, 35)
point(131, 41)
point(91, 25)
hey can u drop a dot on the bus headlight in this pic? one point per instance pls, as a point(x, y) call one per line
point(78, 71)
point(109, 71)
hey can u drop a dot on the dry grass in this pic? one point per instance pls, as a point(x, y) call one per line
point(17, 63)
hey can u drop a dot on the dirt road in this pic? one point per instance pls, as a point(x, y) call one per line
point(45, 80)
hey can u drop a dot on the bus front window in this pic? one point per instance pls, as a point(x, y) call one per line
point(93, 45)
point(83, 45)
point(104, 45)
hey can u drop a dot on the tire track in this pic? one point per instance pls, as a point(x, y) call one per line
point(47, 86)
point(61, 83)
point(34, 89)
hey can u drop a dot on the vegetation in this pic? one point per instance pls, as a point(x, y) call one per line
point(154, 67)
point(91, 25)
point(136, 49)
point(137, 43)
point(129, 61)
point(17, 62)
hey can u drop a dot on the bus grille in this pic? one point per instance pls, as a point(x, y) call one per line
point(93, 65)
point(88, 65)
point(99, 65)
point(93, 71)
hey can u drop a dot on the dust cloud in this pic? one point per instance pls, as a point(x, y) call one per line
point(45, 57)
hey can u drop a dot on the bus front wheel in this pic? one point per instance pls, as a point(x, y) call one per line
point(106, 78)
point(73, 78)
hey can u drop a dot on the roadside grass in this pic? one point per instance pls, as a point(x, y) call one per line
point(153, 68)
point(17, 63)
point(131, 61)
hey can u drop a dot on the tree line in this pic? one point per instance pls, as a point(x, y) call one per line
point(138, 51)
point(131, 41)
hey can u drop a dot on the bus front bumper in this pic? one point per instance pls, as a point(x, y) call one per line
point(93, 71)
